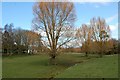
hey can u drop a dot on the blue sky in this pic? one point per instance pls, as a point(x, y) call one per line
point(21, 14)
point(86, 11)
point(18, 13)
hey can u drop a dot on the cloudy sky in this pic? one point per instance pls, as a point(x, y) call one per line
point(21, 14)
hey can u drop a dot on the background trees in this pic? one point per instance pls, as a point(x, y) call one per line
point(19, 41)
point(27, 41)
point(95, 37)
point(33, 41)
point(7, 39)
point(84, 33)
point(1, 40)
point(55, 19)
point(101, 34)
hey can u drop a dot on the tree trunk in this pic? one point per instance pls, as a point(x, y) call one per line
point(53, 60)
point(86, 54)
point(53, 57)
point(101, 54)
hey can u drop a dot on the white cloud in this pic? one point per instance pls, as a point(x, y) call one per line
point(111, 18)
point(113, 27)
point(114, 30)
point(99, 4)
point(41, 32)
point(95, 4)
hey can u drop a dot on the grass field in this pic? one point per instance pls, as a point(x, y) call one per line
point(67, 65)
point(106, 67)
point(0, 66)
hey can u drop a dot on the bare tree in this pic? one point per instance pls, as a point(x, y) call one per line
point(101, 34)
point(26, 41)
point(84, 34)
point(54, 18)
point(34, 41)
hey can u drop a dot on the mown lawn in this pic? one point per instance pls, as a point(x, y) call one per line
point(0, 66)
point(106, 67)
point(37, 66)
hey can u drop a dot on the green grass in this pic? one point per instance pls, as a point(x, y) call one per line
point(37, 66)
point(106, 67)
point(0, 67)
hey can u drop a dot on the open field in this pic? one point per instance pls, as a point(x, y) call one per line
point(0, 66)
point(67, 65)
point(106, 67)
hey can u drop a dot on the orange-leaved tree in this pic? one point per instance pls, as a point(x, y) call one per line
point(54, 18)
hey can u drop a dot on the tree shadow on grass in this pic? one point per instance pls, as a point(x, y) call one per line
point(40, 62)
point(67, 62)
point(62, 61)
point(58, 62)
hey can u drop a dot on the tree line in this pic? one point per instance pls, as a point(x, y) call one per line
point(96, 38)
point(19, 41)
